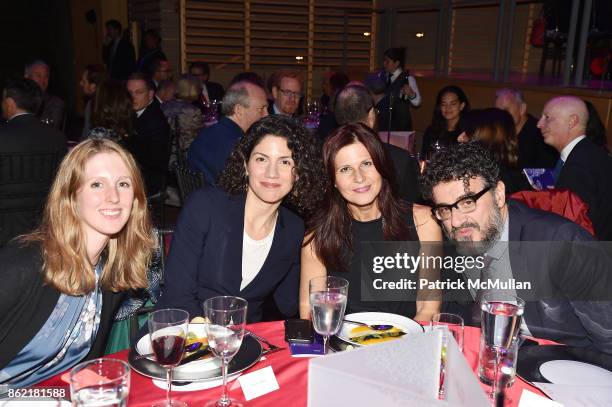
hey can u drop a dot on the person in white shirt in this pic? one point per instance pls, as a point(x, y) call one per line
point(401, 93)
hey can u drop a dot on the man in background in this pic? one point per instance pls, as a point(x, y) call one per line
point(29, 155)
point(243, 104)
point(52, 108)
point(118, 53)
point(533, 152)
point(286, 92)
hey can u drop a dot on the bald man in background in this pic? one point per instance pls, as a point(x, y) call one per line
point(583, 167)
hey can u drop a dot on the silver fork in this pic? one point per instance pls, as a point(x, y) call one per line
point(271, 348)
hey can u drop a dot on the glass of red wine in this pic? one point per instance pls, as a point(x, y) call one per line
point(168, 331)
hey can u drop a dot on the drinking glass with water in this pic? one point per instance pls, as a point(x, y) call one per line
point(328, 296)
point(100, 382)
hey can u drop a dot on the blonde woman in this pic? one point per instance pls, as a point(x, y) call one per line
point(62, 283)
point(184, 117)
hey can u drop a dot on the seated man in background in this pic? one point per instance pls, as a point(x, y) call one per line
point(532, 151)
point(569, 300)
point(210, 90)
point(583, 167)
point(150, 145)
point(29, 155)
point(243, 104)
point(286, 92)
point(52, 108)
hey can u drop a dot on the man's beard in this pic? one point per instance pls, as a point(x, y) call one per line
point(466, 246)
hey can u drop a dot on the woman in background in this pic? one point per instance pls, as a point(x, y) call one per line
point(494, 128)
point(446, 123)
point(184, 117)
point(113, 116)
point(63, 283)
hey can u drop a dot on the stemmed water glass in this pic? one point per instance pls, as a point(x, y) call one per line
point(227, 319)
point(168, 332)
point(328, 296)
point(501, 316)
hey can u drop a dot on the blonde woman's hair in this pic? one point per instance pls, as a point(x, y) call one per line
point(188, 87)
point(66, 264)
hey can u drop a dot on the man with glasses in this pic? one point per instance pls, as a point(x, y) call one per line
point(570, 276)
point(286, 92)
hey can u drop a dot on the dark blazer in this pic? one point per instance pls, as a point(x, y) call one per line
point(206, 257)
point(30, 153)
point(401, 120)
point(566, 276)
point(121, 64)
point(588, 173)
point(26, 302)
point(150, 146)
point(215, 90)
point(52, 108)
point(212, 146)
point(533, 152)
point(407, 172)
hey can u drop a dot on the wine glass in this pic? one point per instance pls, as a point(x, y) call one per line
point(168, 331)
point(328, 302)
point(227, 316)
point(501, 316)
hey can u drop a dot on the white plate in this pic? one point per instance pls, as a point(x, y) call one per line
point(409, 326)
point(143, 347)
point(575, 373)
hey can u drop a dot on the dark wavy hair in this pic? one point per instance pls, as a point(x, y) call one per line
point(460, 162)
point(495, 129)
point(306, 154)
point(438, 122)
point(330, 226)
point(113, 108)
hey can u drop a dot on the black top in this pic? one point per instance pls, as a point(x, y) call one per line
point(533, 152)
point(444, 138)
point(372, 231)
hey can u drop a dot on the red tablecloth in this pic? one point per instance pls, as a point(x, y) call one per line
point(291, 374)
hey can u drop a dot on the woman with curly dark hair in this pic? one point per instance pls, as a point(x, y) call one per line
point(361, 205)
point(238, 239)
point(113, 115)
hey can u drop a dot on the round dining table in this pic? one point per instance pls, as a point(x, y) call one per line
point(291, 374)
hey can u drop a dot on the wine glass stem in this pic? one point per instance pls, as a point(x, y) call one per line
point(224, 401)
point(495, 389)
point(325, 339)
point(169, 379)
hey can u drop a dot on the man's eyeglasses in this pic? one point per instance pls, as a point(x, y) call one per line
point(289, 94)
point(464, 205)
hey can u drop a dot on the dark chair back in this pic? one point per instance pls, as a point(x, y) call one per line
point(188, 180)
point(25, 179)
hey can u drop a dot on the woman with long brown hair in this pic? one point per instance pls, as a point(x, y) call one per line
point(494, 128)
point(62, 283)
point(361, 204)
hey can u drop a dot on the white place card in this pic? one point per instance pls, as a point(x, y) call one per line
point(530, 399)
point(258, 383)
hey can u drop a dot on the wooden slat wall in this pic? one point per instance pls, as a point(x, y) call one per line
point(263, 35)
